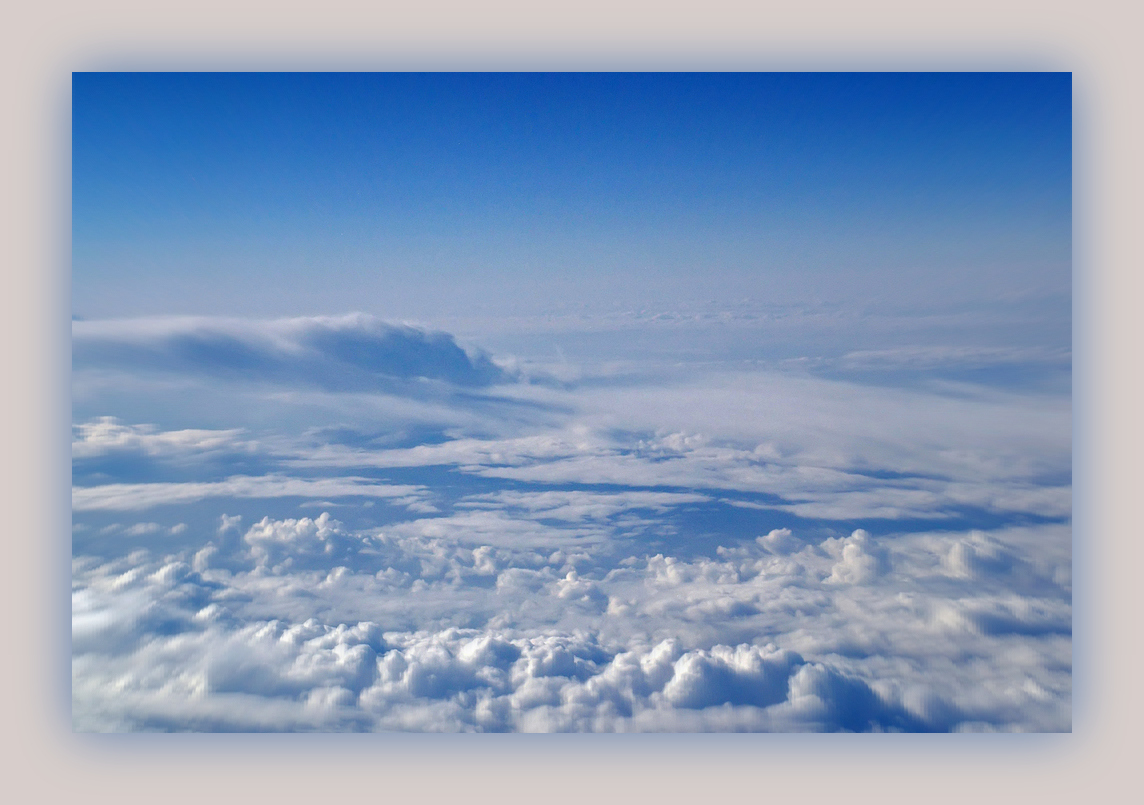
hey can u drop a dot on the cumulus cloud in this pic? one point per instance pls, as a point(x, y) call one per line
point(779, 541)
point(859, 560)
point(828, 637)
point(278, 543)
point(741, 675)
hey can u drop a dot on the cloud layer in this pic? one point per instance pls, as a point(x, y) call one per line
point(365, 527)
point(301, 624)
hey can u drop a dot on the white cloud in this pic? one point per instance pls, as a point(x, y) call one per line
point(741, 675)
point(930, 357)
point(976, 556)
point(825, 637)
point(105, 435)
point(859, 560)
point(139, 529)
point(283, 544)
point(646, 547)
point(779, 541)
point(135, 497)
point(350, 352)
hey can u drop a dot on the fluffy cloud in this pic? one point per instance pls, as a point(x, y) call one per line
point(284, 544)
point(859, 560)
point(828, 637)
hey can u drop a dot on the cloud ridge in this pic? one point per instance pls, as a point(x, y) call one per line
point(351, 352)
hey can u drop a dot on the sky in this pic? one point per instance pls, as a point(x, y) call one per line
point(638, 402)
point(413, 194)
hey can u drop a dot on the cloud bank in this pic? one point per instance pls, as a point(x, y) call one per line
point(690, 548)
point(345, 353)
point(303, 624)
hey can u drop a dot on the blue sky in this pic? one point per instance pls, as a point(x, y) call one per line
point(572, 402)
point(408, 194)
